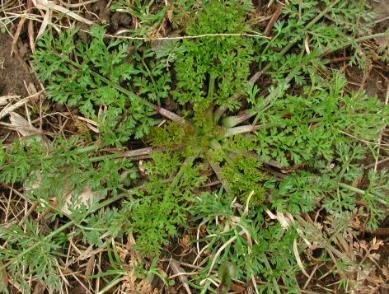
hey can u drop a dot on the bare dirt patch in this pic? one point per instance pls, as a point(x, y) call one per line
point(13, 71)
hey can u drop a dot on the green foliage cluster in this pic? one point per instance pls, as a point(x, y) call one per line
point(53, 171)
point(212, 71)
point(320, 26)
point(294, 144)
point(161, 206)
point(106, 83)
point(41, 262)
point(265, 253)
point(301, 128)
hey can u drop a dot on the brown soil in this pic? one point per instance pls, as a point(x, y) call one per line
point(14, 71)
point(114, 20)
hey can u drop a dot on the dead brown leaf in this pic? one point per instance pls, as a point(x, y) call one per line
point(86, 197)
point(22, 126)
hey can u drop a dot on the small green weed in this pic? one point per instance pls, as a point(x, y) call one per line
point(234, 171)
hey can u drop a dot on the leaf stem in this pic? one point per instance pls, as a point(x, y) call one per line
point(241, 130)
point(219, 112)
point(232, 121)
point(131, 154)
point(353, 189)
point(351, 41)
